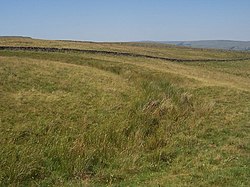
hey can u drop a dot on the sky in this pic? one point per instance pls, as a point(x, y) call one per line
point(126, 20)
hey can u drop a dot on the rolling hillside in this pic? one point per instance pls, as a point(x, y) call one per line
point(122, 114)
point(214, 44)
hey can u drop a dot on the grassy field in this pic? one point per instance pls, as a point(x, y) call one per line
point(80, 119)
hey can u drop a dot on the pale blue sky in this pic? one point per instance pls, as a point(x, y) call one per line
point(126, 20)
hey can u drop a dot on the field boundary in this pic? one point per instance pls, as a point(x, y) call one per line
point(52, 49)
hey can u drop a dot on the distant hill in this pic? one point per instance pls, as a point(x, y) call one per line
point(213, 44)
point(15, 37)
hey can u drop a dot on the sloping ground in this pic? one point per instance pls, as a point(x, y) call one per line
point(100, 119)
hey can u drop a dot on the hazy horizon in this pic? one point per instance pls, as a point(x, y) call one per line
point(111, 20)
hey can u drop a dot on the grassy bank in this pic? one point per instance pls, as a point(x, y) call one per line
point(84, 119)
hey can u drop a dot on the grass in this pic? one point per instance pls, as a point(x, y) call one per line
point(71, 119)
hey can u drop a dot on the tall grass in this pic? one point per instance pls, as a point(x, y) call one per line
point(60, 141)
point(76, 119)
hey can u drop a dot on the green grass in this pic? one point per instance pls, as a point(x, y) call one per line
point(96, 120)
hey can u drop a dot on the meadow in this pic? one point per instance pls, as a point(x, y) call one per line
point(83, 119)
